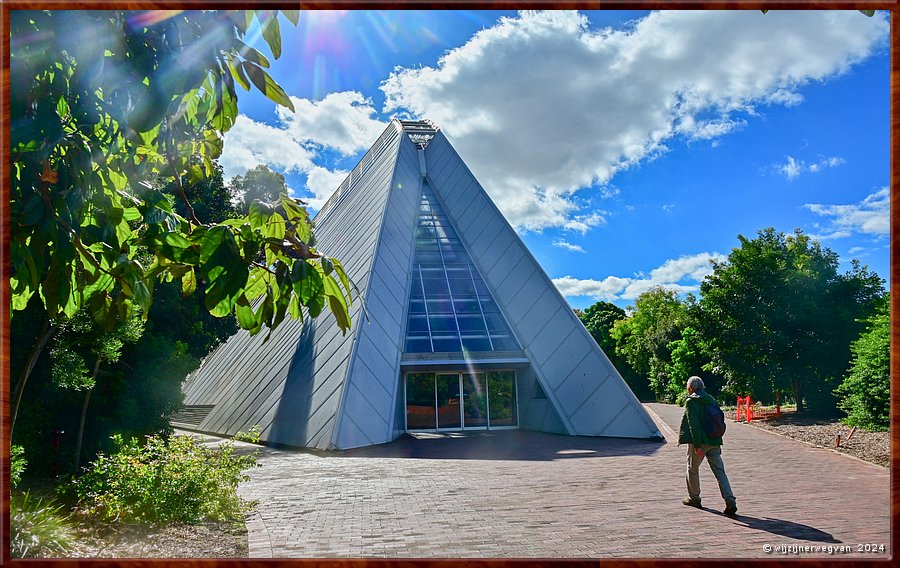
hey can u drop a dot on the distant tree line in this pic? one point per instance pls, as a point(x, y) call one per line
point(775, 319)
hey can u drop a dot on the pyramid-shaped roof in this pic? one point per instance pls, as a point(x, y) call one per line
point(428, 250)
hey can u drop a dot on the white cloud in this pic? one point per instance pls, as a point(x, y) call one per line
point(341, 122)
point(793, 167)
point(870, 216)
point(540, 105)
point(854, 250)
point(682, 274)
point(250, 143)
point(322, 182)
point(584, 223)
point(567, 246)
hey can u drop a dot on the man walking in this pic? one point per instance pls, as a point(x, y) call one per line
point(701, 445)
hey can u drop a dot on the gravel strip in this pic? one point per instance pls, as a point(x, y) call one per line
point(873, 447)
point(208, 540)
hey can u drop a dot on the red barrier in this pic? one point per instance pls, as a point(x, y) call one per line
point(745, 408)
point(745, 404)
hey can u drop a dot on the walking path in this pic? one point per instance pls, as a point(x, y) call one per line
point(529, 494)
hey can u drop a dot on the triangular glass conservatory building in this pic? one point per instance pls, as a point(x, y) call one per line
point(457, 326)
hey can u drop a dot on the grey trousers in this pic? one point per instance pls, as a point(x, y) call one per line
point(714, 455)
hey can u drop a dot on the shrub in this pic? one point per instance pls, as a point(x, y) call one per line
point(865, 392)
point(163, 481)
point(251, 435)
point(37, 527)
point(17, 464)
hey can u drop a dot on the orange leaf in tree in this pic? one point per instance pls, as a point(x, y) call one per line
point(49, 175)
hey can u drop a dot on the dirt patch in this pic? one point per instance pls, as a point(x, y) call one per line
point(873, 447)
point(208, 540)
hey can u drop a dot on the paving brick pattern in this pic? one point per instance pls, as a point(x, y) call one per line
point(527, 494)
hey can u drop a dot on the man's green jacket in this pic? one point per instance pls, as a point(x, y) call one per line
point(692, 431)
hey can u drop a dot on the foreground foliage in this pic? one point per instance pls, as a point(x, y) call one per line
point(38, 527)
point(164, 481)
point(107, 104)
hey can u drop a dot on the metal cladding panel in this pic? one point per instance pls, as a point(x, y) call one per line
point(533, 306)
point(367, 416)
point(535, 413)
point(291, 385)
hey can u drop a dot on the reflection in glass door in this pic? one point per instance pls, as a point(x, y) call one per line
point(461, 401)
point(502, 398)
point(448, 411)
point(475, 409)
point(420, 402)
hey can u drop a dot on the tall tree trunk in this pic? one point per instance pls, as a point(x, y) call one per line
point(84, 407)
point(46, 333)
point(798, 394)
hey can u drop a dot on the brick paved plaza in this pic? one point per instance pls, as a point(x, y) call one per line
point(528, 494)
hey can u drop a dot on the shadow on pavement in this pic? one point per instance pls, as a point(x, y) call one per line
point(505, 445)
point(783, 528)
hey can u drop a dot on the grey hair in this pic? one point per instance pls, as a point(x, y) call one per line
point(695, 383)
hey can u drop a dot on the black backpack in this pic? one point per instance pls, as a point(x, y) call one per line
point(713, 421)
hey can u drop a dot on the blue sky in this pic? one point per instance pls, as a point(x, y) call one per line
point(627, 148)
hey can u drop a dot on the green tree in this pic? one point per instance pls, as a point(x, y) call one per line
point(643, 339)
point(108, 102)
point(258, 184)
point(80, 345)
point(599, 320)
point(777, 316)
point(211, 199)
point(865, 392)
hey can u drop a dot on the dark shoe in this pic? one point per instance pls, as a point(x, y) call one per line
point(731, 510)
point(691, 503)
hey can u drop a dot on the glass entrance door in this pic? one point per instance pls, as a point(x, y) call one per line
point(449, 414)
point(475, 409)
point(461, 401)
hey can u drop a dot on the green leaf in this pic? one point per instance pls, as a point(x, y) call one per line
point(316, 305)
point(188, 283)
point(339, 269)
point(259, 214)
point(267, 85)
point(295, 309)
point(256, 283)
point(292, 15)
point(211, 241)
point(245, 316)
point(869, 13)
point(102, 310)
point(298, 217)
point(177, 241)
point(327, 266)
point(275, 228)
point(251, 55)
point(307, 281)
point(272, 34)
point(20, 299)
point(337, 303)
point(222, 308)
point(237, 71)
